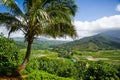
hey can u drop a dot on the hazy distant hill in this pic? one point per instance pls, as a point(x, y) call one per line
point(106, 40)
point(22, 39)
point(111, 33)
point(39, 43)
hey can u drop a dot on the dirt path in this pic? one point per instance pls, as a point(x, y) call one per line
point(40, 55)
point(96, 59)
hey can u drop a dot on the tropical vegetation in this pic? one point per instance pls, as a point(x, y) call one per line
point(48, 65)
point(96, 61)
point(9, 58)
point(40, 17)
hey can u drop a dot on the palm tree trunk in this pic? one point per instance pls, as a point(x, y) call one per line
point(26, 59)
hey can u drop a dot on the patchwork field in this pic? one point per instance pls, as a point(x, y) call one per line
point(110, 56)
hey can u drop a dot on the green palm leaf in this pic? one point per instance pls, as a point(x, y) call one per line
point(12, 6)
point(10, 22)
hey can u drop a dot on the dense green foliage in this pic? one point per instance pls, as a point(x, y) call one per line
point(80, 70)
point(81, 67)
point(41, 75)
point(8, 56)
point(100, 70)
point(63, 52)
point(58, 67)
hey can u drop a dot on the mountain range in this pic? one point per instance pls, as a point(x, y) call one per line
point(105, 40)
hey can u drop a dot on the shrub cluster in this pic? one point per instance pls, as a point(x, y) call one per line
point(79, 70)
point(59, 67)
point(41, 75)
point(8, 56)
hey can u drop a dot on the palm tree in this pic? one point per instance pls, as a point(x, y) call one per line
point(40, 17)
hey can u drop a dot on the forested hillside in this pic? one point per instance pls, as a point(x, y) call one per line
point(105, 40)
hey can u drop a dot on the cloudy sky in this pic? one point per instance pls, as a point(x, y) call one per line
point(92, 17)
point(95, 16)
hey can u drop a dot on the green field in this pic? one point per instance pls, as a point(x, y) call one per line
point(110, 56)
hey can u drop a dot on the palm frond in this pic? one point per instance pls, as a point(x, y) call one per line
point(32, 4)
point(60, 29)
point(12, 6)
point(27, 5)
point(60, 11)
point(10, 22)
point(61, 24)
point(6, 18)
point(70, 4)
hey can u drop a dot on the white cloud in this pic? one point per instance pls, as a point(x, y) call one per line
point(17, 34)
point(87, 28)
point(5, 32)
point(118, 8)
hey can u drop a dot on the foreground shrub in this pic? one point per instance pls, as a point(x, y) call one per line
point(101, 71)
point(8, 56)
point(58, 67)
point(41, 75)
point(81, 69)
